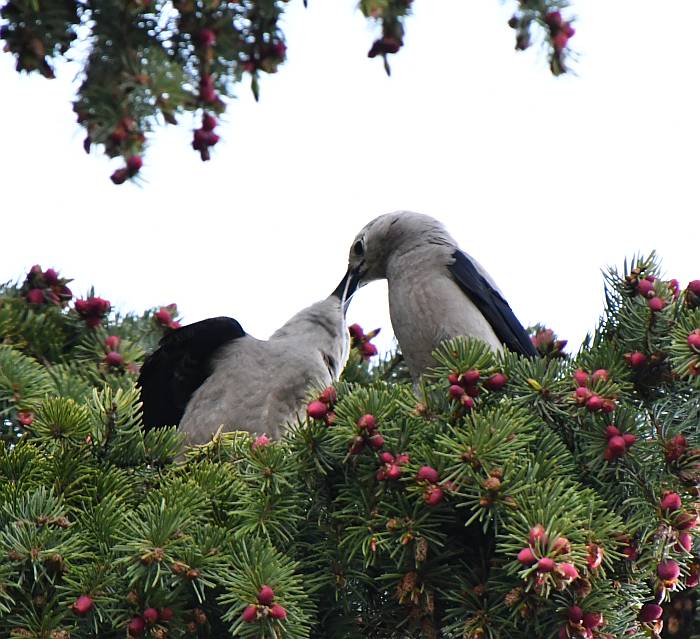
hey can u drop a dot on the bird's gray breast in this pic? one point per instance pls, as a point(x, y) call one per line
point(256, 386)
point(427, 307)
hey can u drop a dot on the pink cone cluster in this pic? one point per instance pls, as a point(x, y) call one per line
point(646, 288)
point(428, 477)
point(266, 607)
point(45, 288)
point(581, 624)
point(93, 310)
point(584, 396)
point(391, 465)
point(361, 341)
point(368, 435)
point(618, 443)
point(261, 441)
point(165, 316)
point(682, 521)
point(545, 556)
point(469, 384)
point(204, 138)
point(322, 407)
point(149, 617)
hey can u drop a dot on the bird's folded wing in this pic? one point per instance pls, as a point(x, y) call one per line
point(491, 305)
point(179, 366)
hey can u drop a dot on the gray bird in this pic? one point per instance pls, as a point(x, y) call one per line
point(211, 373)
point(436, 291)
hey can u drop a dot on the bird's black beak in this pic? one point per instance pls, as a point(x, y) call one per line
point(347, 286)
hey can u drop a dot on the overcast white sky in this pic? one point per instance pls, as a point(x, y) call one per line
point(544, 180)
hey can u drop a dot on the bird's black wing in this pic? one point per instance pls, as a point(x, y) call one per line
point(179, 366)
point(491, 305)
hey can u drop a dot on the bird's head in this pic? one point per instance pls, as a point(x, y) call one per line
point(389, 235)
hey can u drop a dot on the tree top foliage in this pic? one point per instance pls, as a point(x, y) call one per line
point(148, 62)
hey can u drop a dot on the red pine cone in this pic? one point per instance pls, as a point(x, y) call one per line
point(470, 377)
point(433, 495)
point(367, 422)
point(150, 616)
point(546, 564)
point(261, 441)
point(581, 377)
point(393, 472)
point(576, 615)
point(134, 164)
point(119, 176)
point(668, 570)
point(594, 403)
point(136, 626)
point(82, 605)
point(527, 557)
point(496, 382)
point(266, 595)
point(645, 286)
point(466, 401)
point(601, 373)
point(685, 542)
point(277, 612)
point(328, 396)
point(35, 296)
point(593, 620)
point(670, 501)
point(693, 339)
point(316, 410)
point(428, 473)
point(650, 612)
point(538, 534)
point(636, 359)
point(114, 359)
point(376, 441)
point(616, 446)
point(250, 614)
point(656, 304)
point(456, 391)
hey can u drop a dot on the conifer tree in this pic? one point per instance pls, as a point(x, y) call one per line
point(148, 62)
point(511, 498)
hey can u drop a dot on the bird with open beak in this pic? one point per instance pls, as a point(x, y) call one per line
point(436, 290)
point(212, 373)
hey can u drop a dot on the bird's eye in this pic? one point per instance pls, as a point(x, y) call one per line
point(359, 248)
